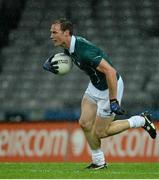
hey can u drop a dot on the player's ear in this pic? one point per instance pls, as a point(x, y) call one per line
point(66, 32)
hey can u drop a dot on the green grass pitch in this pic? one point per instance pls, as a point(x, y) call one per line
point(78, 171)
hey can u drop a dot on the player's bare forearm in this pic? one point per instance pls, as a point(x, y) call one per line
point(112, 84)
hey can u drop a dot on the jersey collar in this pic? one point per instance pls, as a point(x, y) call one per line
point(72, 44)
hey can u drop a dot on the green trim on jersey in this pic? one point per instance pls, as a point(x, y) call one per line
point(87, 57)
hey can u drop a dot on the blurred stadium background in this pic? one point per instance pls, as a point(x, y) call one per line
point(128, 30)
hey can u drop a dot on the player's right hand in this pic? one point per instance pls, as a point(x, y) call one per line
point(51, 66)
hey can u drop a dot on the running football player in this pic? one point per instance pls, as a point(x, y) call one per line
point(102, 98)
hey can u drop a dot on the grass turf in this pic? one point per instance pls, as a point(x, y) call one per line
point(78, 171)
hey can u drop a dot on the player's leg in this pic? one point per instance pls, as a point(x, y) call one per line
point(87, 119)
point(118, 126)
point(105, 126)
point(105, 119)
point(113, 127)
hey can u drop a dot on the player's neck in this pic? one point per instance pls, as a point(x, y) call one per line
point(67, 42)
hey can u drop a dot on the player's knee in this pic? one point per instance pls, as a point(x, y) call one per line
point(85, 124)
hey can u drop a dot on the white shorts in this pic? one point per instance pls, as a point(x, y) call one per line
point(101, 98)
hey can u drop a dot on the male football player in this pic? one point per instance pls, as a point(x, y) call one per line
point(102, 98)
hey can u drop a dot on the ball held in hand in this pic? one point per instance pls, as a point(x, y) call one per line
point(64, 63)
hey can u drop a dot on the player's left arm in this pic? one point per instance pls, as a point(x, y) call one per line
point(51, 66)
point(111, 78)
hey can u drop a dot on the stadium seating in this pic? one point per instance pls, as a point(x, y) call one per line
point(121, 28)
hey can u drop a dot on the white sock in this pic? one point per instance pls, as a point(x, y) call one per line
point(98, 157)
point(136, 121)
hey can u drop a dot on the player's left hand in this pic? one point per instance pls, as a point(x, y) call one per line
point(115, 107)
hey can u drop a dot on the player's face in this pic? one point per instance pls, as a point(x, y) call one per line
point(57, 35)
